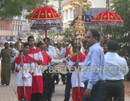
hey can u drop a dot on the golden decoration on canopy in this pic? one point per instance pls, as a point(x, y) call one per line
point(79, 28)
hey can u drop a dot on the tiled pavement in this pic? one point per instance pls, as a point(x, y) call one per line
point(8, 93)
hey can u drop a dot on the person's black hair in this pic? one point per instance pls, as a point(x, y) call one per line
point(30, 37)
point(70, 42)
point(95, 34)
point(35, 44)
point(113, 46)
point(48, 39)
point(105, 44)
point(84, 42)
point(19, 39)
point(6, 43)
point(25, 44)
point(73, 44)
point(39, 43)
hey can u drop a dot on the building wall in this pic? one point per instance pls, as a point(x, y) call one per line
point(6, 30)
point(12, 28)
point(17, 27)
point(12, 25)
point(54, 3)
point(98, 3)
point(6, 25)
point(68, 13)
point(9, 29)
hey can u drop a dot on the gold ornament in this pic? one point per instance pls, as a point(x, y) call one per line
point(79, 28)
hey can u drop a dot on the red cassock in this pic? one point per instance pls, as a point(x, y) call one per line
point(77, 93)
point(86, 53)
point(77, 85)
point(47, 59)
point(67, 51)
point(26, 59)
point(20, 93)
point(37, 82)
point(28, 86)
point(81, 58)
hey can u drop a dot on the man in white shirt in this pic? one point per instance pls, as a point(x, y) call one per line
point(15, 54)
point(48, 88)
point(115, 69)
point(51, 49)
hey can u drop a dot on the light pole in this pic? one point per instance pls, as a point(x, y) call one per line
point(61, 21)
point(107, 4)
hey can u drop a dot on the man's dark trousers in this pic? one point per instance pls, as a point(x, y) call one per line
point(48, 86)
point(68, 87)
point(113, 89)
point(96, 94)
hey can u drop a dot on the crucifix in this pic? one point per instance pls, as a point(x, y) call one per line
point(79, 28)
point(81, 4)
point(78, 31)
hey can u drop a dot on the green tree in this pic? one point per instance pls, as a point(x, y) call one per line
point(30, 5)
point(122, 34)
point(67, 33)
point(10, 8)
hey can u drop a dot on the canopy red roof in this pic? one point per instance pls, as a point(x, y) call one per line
point(44, 13)
point(107, 16)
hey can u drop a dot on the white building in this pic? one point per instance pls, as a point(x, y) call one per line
point(23, 23)
point(54, 3)
point(98, 3)
point(68, 13)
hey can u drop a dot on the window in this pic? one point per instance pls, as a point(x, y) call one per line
point(71, 13)
point(66, 15)
point(13, 27)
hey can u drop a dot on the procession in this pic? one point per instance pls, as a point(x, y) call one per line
point(52, 58)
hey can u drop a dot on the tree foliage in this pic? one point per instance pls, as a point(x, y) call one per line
point(10, 8)
point(67, 33)
point(122, 34)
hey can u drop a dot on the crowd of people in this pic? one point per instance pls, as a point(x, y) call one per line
point(94, 73)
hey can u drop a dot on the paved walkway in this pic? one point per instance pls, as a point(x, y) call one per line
point(9, 93)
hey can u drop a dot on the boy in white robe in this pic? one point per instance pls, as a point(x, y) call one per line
point(37, 82)
point(24, 63)
point(73, 66)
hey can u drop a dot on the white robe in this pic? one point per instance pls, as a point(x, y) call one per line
point(24, 71)
point(76, 75)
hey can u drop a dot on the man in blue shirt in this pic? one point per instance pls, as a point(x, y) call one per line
point(92, 72)
point(115, 70)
